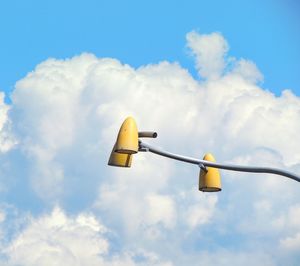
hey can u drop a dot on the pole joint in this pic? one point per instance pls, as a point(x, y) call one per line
point(202, 167)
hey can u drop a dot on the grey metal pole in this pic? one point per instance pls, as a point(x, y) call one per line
point(251, 169)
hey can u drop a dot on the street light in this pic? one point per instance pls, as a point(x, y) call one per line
point(209, 177)
point(129, 142)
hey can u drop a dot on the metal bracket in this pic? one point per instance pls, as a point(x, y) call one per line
point(202, 167)
point(142, 148)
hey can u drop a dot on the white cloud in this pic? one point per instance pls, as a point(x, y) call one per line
point(209, 51)
point(247, 70)
point(291, 243)
point(160, 209)
point(56, 239)
point(201, 211)
point(6, 140)
point(65, 116)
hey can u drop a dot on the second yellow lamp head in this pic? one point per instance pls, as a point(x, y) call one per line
point(209, 178)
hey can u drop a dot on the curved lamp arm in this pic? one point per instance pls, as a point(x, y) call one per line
point(251, 169)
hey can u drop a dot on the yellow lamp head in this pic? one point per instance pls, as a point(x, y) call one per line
point(209, 179)
point(119, 159)
point(127, 141)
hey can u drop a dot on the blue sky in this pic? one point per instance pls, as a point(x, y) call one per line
point(208, 76)
point(138, 33)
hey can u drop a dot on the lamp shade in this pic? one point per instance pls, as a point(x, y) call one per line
point(119, 159)
point(127, 141)
point(209, 179)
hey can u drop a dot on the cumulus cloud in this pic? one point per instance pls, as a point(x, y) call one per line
point(6, 140)
point(58, 239)
point(64, 118)
point(201, 211)
point(210, 51)
point(291, 243)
